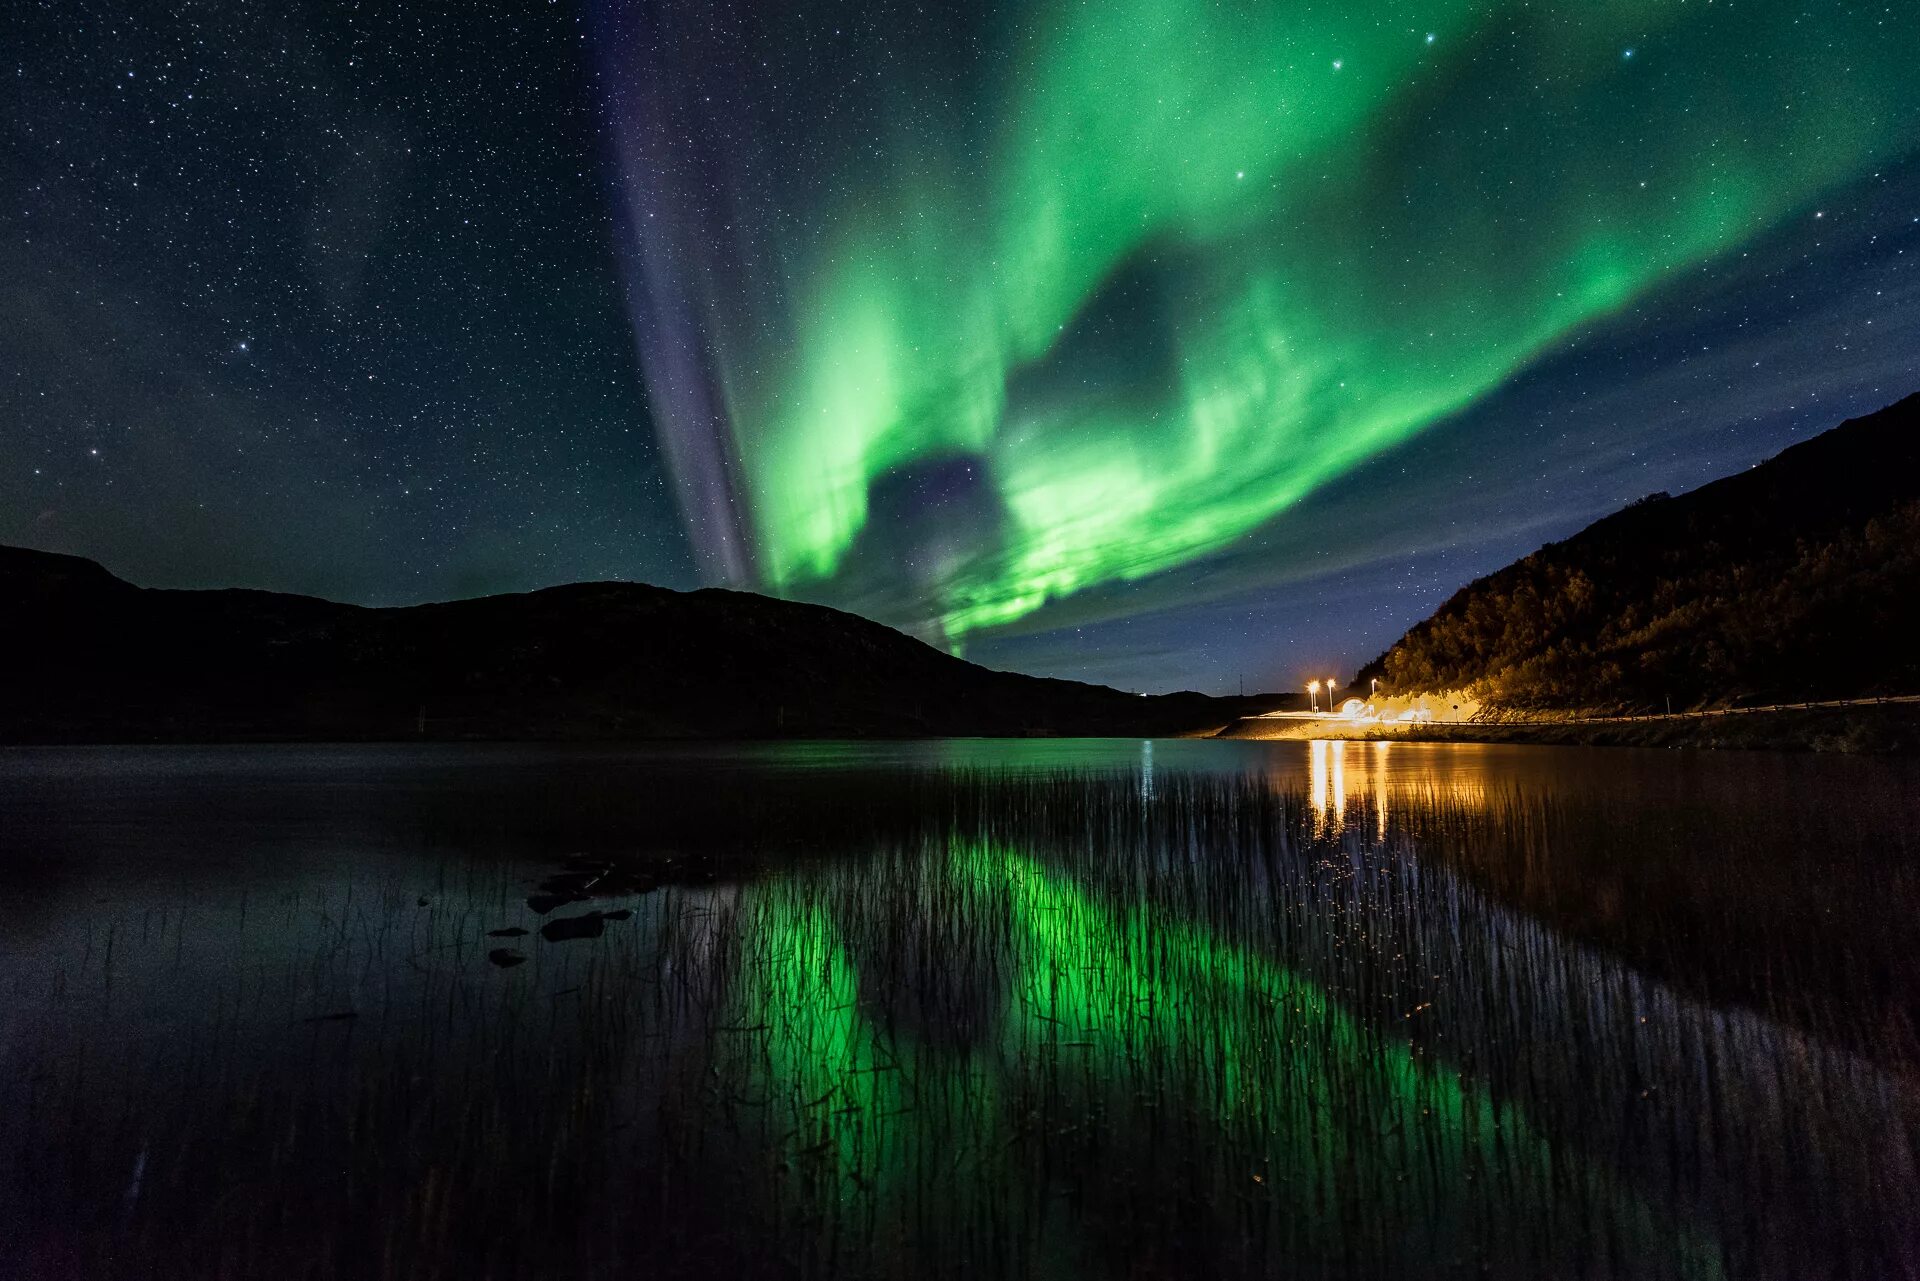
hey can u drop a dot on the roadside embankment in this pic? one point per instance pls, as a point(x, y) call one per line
point(1864, 728)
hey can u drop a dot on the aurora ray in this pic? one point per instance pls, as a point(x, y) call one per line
point(945, 316)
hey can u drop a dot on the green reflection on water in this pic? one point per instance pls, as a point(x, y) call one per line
point(1188, 1046)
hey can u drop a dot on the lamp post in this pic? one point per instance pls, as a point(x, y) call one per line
point(1373, 687)
point(1313, 695)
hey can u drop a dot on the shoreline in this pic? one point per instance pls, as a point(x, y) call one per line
point(1880, 729)
point(1877, 729)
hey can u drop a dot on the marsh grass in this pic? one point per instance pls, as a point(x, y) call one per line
point(953, 1022)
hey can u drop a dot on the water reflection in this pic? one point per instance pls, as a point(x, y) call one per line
point(1346, 1010)
point(1337, 770)
point(1340, 772)
point(1169, 1052)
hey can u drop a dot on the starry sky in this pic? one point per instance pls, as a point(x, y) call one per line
point(1165, 343)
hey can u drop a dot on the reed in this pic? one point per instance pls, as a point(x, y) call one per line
point(957, 1021)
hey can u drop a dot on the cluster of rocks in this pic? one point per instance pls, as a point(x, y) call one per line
point(581, 880)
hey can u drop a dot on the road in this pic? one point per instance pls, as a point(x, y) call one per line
point(1619, 720)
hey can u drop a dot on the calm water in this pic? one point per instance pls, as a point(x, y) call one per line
point(974, 1009)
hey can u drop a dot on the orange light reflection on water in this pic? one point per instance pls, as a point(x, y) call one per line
point(1381, 776)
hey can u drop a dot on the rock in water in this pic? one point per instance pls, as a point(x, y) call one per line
point(590, 926)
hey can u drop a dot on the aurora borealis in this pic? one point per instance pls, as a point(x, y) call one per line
point(950, 318)
point(1160, 343)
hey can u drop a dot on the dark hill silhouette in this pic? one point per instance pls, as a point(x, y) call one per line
point(1795, 579)
point(89, 657)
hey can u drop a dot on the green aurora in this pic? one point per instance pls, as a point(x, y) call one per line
point(1148, 272)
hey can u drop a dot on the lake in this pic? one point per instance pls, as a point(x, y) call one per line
point(969, 1008)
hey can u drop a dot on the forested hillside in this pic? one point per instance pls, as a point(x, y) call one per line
point(1795, 579)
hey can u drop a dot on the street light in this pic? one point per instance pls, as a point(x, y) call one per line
point(1374, 687)
point(1313, 695)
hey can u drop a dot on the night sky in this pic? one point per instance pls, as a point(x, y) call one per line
point(1167, 343)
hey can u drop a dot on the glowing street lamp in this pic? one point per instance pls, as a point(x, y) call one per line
point(1313, 694)
point(1374, 687)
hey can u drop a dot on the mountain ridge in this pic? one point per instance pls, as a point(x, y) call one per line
point(1792, 579)
point(102, 659)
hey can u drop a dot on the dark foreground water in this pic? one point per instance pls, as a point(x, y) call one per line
point(958, 1009)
